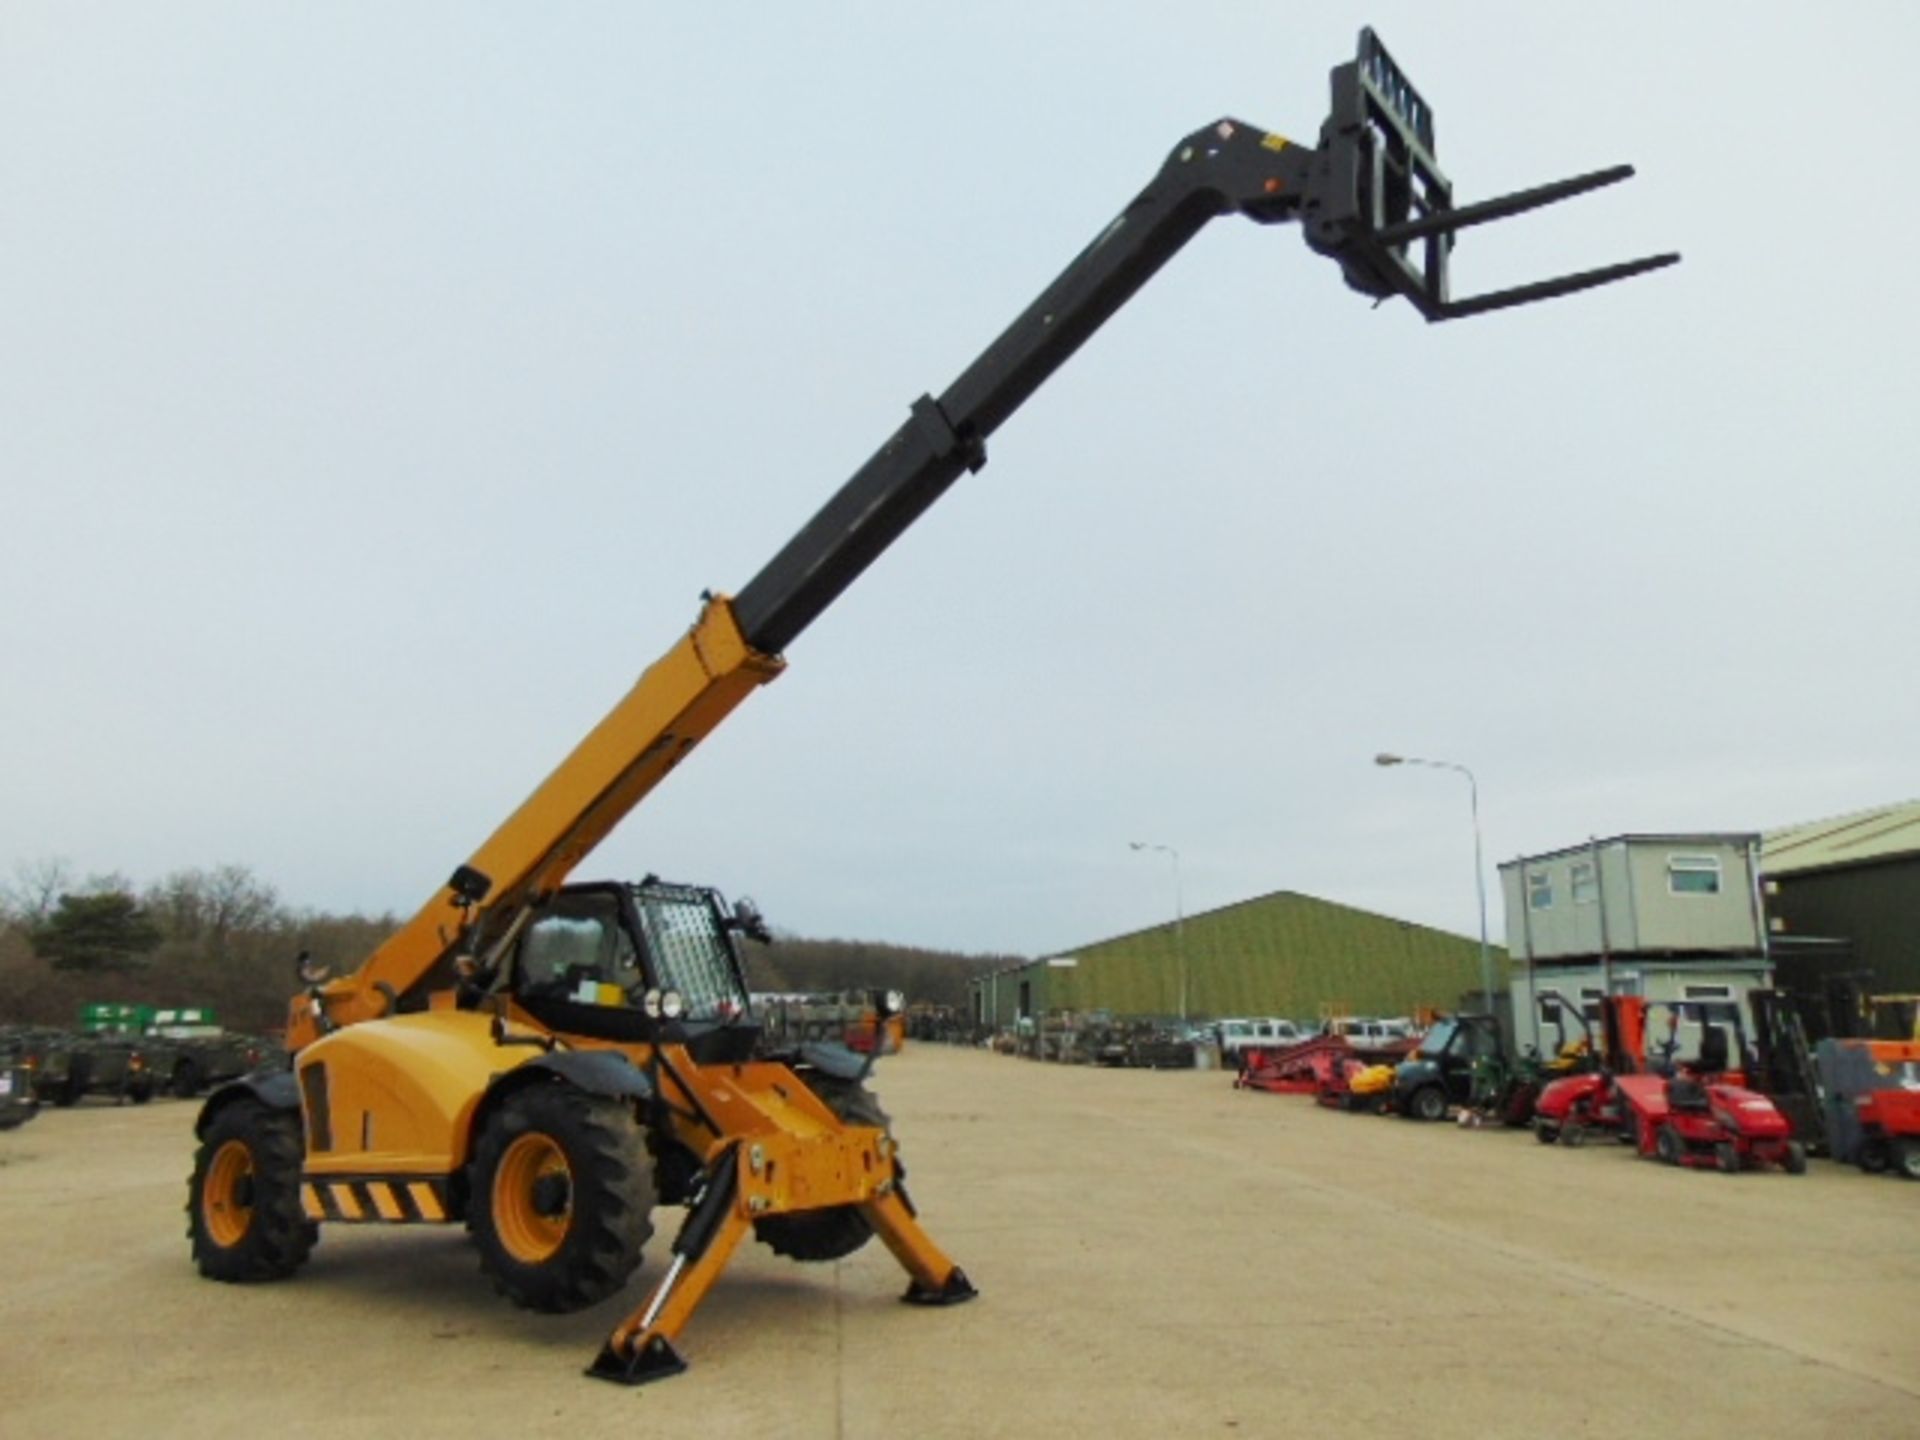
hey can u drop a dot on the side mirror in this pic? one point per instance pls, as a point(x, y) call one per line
point(469, 886)
point(748, 920)
point(310, 973)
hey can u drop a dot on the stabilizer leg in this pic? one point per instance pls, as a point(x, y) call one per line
point(640, 1349)
point(934, 1279)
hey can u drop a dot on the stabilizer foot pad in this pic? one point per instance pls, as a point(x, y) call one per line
point(656, 1360)
point(957, 1289)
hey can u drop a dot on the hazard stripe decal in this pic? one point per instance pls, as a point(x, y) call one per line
point(399, 1200)
point(426, 1203)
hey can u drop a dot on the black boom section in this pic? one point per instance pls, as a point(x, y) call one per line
point(1218, 170)
point(1371, 197)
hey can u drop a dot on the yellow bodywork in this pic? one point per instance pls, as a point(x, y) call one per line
point(390, 1108)
point(1374, 1080)
point(397, 1097)
point(391, 1091)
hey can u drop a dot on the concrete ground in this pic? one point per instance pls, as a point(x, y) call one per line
point(1157, 1255)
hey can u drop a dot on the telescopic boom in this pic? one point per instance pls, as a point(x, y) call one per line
point(1369, 195)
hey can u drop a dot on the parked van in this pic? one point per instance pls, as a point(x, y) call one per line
point(1366, 1033)
point(1237, 1036)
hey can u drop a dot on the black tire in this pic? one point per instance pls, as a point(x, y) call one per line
point(1428, 1103)
point(1906, 1158)
point(243, 1202)
point(1796, 1161)
point(1668, 1145)
point(562, 1197)
point(187, 1080)
point(1875, 1155)
point(815, 1236)
point(1573, 1135)
point(140, 1094)
point(1545, 1132)
point(1727, 1156)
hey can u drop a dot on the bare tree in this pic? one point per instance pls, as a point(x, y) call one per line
point(36, 890)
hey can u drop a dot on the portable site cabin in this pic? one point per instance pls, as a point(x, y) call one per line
point(1667, 917)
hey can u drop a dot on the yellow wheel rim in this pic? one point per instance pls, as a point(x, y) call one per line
point(532, 1199)
point(226, 1199)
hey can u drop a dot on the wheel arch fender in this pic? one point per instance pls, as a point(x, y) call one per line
point(277, 1090)
point(597, 1072)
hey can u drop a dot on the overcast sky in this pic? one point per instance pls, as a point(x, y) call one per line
point(382, 384)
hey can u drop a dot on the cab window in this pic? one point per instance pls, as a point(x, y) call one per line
point(577, 942)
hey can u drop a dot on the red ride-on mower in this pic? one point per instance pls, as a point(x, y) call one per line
point(1703, 1115)
point(1571, 1108)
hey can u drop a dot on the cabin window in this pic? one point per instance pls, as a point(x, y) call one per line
point(1539, 890)
point(1709, 992)
point(1693, 874)
point(1583, 883)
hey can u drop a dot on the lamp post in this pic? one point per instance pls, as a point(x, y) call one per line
point(1179, 918)
point(1479, 868)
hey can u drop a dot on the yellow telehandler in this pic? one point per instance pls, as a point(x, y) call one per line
point(547, 1062)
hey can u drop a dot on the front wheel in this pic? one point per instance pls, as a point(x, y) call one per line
point(243, 1202)
point(1796, 1158)
point(1668, 1145)
point(562, 1197)
point(1906, 1158)
point(832, 1234)
point(1727, 1156)
point(1428, 1103)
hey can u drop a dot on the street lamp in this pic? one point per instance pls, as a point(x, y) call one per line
point(1479, 868)
point(1179, 912)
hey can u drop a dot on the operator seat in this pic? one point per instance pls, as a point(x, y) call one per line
point(1713, 1050)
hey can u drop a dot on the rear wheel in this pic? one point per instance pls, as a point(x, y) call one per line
point(562, 1197)
point(243, 1202)
point(187, 1081)
point(1573, 1135)
point(819, 1235)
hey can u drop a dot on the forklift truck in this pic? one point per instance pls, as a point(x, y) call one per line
point(542, 1061)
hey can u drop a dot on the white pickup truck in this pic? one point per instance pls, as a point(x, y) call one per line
point(1238, 1036)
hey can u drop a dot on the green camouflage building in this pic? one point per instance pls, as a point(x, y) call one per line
point(1281, 954)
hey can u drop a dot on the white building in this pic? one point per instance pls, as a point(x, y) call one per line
point(1667, 917)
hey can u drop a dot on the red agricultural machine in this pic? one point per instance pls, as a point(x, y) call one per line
point(1701, 1113)
point(1874, 1103)
point(1328, 1067)
point(1571, 1107)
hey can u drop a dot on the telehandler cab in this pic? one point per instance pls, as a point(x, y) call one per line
point(545, 1062)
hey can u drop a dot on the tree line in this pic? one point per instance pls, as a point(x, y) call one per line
point(224, 938)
